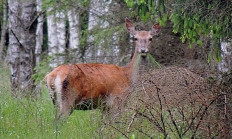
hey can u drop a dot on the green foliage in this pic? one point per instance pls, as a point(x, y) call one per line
point(162, 21)
point(63, 5)
point(188, 27)
point(143, 9)
point(42, 69)
point(203, 18)
point(154, 63)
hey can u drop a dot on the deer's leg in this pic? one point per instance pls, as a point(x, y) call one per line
point(51, 88)
point(67, 104)
point(113, 104)
point(63, 108)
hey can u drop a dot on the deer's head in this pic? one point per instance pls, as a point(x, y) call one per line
point(142, 38)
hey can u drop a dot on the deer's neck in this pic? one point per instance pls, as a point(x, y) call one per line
point(132, 68)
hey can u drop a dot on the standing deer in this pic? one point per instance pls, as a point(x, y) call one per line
point(72, 85)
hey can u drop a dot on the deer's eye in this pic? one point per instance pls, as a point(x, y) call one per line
point(135, 39)
point(150, 39)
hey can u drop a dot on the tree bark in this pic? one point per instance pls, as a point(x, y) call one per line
point(52, 38)
point(226, 53)
point(74, 36)
point(56, 38)
point(22, 29)
point(61, 36)
point(225, 66)
point(3, 30)
point(39, 31)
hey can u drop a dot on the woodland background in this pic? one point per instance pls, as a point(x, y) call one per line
point(39, 35)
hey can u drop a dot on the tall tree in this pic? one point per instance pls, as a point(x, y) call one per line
point(61, 35)
point(56, 36)
point(52, 38)
point(224, 68)
point(22, 36)
point(56, 22)
point(3, 29)
point(74, 35)
point(39, 31)
point(226, 53)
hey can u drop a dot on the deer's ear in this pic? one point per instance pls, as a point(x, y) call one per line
point(155, 30)
point(130, 27)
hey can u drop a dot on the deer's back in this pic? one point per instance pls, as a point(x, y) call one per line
point(89, 80)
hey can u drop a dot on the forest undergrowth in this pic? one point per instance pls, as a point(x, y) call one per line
point(166, 103)
point(171, 102)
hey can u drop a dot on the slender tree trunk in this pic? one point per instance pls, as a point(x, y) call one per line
point(226, 64)
point(61, 36)
point(56, 37)
point(39, 31)
point(74, 36)
point(225, 107)
point(52, 38)
point(3, 30)
point(22, 29)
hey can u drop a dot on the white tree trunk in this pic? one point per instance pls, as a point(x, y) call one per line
point(61, 36)
point(226, 53)
point(14, 45)
point(225, 66)
point(56, 37)
point(3, 29)
point(74, 36)
point(22, 42)
point(52, 38)
point(39, 31)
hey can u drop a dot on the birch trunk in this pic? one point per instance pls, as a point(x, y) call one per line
point(225, 67)
point(56, 38)
point(22, 43)
point(61, 36)
point(52, 38)
point(39, 31)
point(74, 36)
point(226, 53)
point(3, 30)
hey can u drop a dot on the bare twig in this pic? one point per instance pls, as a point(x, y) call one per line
point(33, 21)
point(172, 118)
point(201, 118)
point(132, 120)
point(161, 111)
point(152, 121)
point(117, 130)
point(20, 44)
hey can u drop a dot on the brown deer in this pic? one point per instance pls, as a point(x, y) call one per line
point(73, 85)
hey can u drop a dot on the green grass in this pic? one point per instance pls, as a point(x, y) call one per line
point(28, 118)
